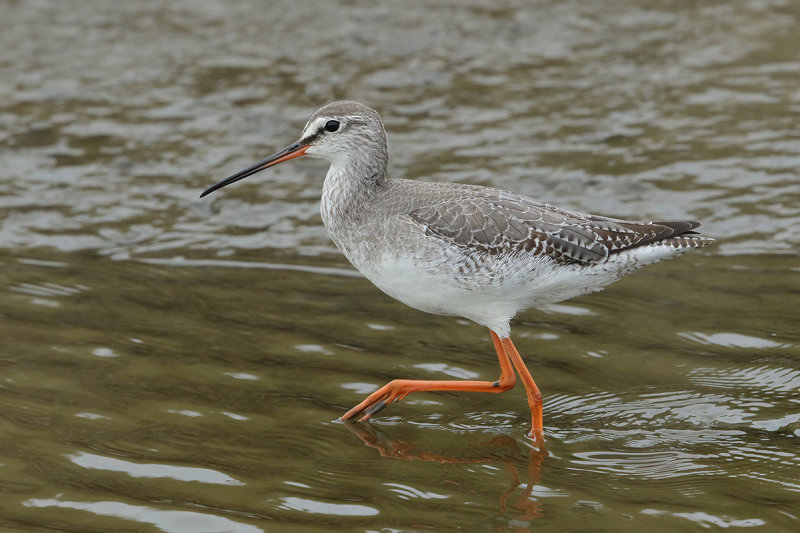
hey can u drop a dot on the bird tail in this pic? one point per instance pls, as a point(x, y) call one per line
point(683, 235)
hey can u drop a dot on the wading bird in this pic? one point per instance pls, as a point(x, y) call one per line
point(463, 250)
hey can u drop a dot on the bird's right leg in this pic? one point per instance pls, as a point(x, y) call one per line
point(399, 388)
point(534, 396)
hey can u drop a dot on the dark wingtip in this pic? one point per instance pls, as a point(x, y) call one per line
point(682, 227)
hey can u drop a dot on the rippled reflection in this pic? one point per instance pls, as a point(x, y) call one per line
point(501, 449)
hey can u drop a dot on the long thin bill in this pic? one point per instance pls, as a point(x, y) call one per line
point(290, 152)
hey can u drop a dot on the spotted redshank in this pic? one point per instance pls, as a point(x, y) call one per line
point(463, 250)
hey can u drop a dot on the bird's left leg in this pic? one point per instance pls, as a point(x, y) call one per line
point(399, 388)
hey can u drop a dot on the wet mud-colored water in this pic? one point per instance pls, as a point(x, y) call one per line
point(175, 364)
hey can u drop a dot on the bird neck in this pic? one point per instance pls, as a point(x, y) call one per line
point(348, 190)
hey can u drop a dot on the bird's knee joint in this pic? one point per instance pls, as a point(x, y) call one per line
point(503, 385)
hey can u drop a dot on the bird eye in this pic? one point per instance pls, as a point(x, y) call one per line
point(332, 125)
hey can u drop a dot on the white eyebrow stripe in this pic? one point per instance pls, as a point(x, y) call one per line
point(314, 127)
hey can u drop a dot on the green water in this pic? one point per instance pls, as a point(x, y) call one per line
point(175, 364)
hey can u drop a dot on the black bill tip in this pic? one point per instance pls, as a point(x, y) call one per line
point(290, 152)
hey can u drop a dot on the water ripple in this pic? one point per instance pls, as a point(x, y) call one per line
point(180, 473)
point(652, 465)
point(169, 521)
point(305, 505)
point(770, 380)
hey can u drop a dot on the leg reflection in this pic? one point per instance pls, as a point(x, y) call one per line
point(499, 449)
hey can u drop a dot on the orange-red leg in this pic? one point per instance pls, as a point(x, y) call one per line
point(398, 389)
point(534, 396)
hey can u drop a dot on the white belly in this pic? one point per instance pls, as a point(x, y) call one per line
point(493, 296)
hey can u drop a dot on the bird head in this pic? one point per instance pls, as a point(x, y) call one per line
point(343, 133)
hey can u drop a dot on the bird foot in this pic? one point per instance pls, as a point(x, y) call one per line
point(394, 391)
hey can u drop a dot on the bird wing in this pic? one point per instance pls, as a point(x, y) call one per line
point(503, 223)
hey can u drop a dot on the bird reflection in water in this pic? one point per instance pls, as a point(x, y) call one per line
point(501, 448)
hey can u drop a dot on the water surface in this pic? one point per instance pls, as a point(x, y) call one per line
point(175, 364)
